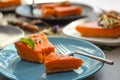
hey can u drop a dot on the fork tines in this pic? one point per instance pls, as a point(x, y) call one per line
point(63, 50)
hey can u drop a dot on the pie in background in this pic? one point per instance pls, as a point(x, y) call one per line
point(9, 3)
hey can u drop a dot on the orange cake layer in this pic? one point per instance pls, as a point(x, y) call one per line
point(47, 5)
point(42, 48)
point(55, 62)
point(48, 12)
point(68, 11)
point(48, 9)
point(9, 3)
point(92, 29)
point(53, 5)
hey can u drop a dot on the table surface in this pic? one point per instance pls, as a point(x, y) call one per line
point(108, 72)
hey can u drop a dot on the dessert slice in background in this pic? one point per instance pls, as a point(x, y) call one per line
point(47, 5)
point(68, 11)
point(55, 62)
point(9, 3)
point(41, 48)
point(48, 12)
point(107, 26)
point(53, 5)
point(59, 9)
point(92, 29)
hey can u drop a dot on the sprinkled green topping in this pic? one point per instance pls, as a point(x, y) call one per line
point(109, 20)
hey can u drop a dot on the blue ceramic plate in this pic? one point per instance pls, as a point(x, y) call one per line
point(13, 67)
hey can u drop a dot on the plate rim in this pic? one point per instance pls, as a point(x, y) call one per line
point(83, 77)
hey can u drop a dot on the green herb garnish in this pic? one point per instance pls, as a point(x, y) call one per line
point(30, 42)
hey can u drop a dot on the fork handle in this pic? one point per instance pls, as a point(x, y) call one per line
point(96, 58)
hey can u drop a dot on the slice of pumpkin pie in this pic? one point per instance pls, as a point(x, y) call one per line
point(55, 62)
point(92, 29)
point(9, 3)
point(34, 48)
point(107, 26)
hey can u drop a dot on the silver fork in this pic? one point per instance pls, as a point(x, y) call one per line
point(63, 50)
